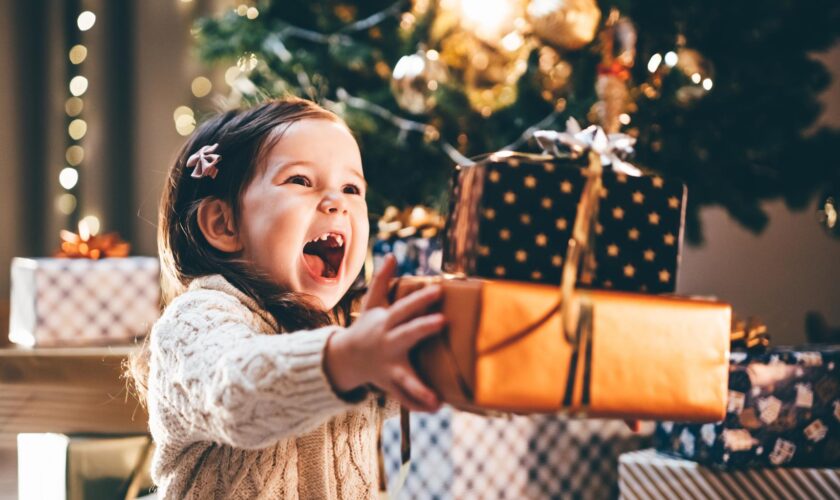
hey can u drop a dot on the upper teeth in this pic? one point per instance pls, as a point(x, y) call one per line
point(337, 237)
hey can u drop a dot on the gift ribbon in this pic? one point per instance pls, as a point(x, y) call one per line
point(575, 310)
point(613, 149)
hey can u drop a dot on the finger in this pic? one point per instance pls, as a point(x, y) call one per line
point(377, 294)
point(634, 425)
point(404, 399)
point(410, 333)
point(413, 304)
point(410, 385)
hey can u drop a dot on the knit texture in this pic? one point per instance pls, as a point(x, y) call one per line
point(239, 411)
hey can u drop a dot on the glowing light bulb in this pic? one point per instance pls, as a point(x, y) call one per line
point(68, 177)
point(78, 85)
point(655, 61)
point(86, 20)
point(91, 223)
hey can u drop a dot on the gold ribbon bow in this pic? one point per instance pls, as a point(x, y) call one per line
point(749, 334)
point(409, 222)
point(84, 245)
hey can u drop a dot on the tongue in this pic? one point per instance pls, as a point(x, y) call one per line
point(315, 262)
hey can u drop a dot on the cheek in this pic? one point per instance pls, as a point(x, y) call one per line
point(273, 232)
point(361, 236)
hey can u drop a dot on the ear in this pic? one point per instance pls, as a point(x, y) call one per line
point(215, 218)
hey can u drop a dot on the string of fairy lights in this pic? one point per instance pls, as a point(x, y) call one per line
point(67, 203)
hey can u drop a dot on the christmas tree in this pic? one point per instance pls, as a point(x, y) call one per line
point(719, 94)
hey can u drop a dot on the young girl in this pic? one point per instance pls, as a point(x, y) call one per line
point(256, 386)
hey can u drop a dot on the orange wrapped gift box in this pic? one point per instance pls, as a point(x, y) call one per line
point(631, 356)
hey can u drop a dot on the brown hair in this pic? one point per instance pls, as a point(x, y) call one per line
point(243, 136)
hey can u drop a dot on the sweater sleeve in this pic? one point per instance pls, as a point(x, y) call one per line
point(214, 377)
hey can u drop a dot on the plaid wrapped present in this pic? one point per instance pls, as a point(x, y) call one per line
point(783, 409)
point(72, 302)
point(462, 455)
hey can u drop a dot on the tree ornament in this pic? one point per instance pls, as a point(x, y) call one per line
point(565, 24)
point(495, 22)
point(698, 73)
point(490, 73)
point(491, 76)
point(416, 79)
point(618, 53)
point(828, 212)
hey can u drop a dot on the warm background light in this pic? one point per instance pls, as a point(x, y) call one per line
point(78, 85)
point(86, 20)
point(78, 54)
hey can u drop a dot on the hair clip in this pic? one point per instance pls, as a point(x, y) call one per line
point(204, 162)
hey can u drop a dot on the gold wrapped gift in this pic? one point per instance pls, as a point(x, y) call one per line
point(630, 355)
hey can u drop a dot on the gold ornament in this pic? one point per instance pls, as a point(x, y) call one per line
point(483, 41)
point(496, 22)
point(490, 74)
point(565, 24)
point(694, 72)
point(411, 221)
point(416, 80)
point(698, 72)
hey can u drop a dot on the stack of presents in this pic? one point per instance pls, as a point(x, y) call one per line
point(559, 274)
point(92, 295)
point(559, 271)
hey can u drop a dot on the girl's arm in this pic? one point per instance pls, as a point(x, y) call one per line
point(214, 377)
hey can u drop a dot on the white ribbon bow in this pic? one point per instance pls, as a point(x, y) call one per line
point(612, 148)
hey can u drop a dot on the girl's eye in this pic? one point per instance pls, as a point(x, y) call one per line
point(299, 179)
point(352, 189)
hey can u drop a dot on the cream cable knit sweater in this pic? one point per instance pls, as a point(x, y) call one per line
point(239, 412)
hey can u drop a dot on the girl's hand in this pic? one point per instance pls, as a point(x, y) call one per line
point(374, 349)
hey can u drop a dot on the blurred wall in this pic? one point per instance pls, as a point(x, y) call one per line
point(165, 67)
point(10, 204)
point(779, 275)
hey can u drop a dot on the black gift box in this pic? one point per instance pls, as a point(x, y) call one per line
point(512, 214)
point(783, 409)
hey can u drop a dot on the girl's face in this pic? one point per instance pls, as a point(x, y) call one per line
point(304, 216)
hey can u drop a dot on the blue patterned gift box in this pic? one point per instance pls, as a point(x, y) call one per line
point(783, 410)
point(416, 256)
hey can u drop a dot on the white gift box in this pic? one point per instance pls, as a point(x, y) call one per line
point(72, 467)
point(75, 302)
point(650, 474)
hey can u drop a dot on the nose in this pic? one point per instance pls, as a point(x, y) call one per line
point(333, 203)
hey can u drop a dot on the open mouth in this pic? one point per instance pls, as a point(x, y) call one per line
point(323, 255)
